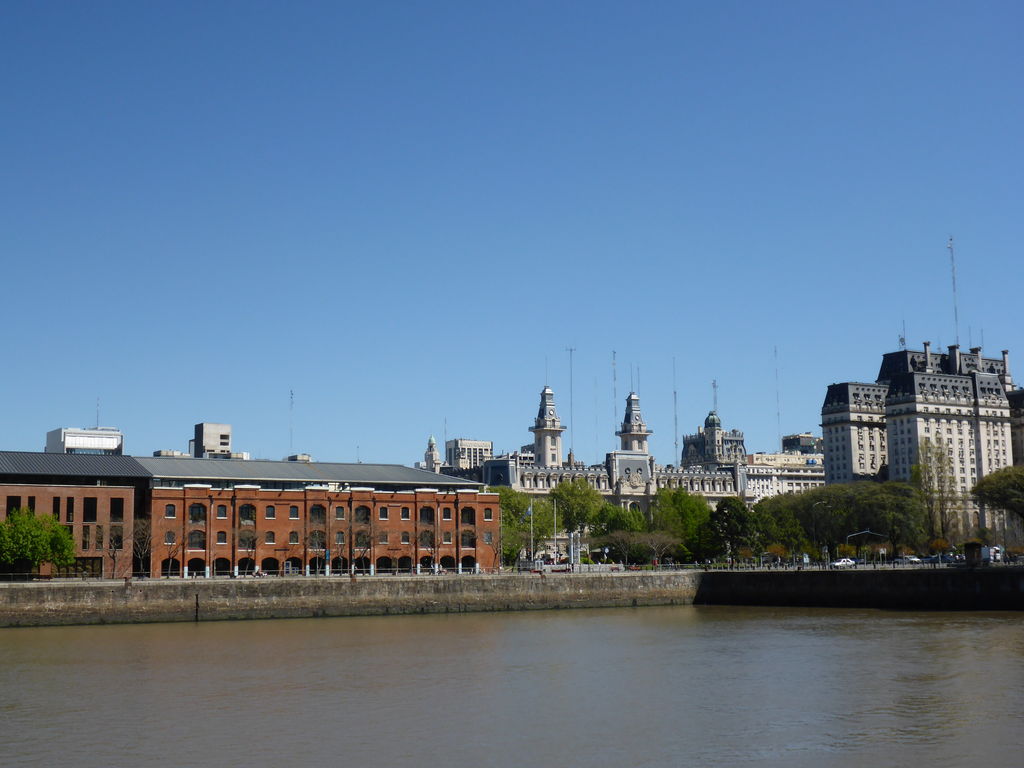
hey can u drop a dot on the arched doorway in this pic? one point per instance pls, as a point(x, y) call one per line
point(468, 563)
point(384, 564)
point(339, 565)
point(405, 564)
point(221, 567)
point(292, 566)
point(447, 562)
point(318, 566)
point(426, 562)
point(270, 566)
point(246, 566)
point(170, 567)
point(361, 564)
point(196, 567)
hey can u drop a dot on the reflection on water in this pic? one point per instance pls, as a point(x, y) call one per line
point(706, 686)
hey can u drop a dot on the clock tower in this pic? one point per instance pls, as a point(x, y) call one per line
point(633, 434)
point(547, 432)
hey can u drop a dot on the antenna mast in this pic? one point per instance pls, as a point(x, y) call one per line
point(778, 399)
point(675, 411)
point(291, 420)
point(572, 421)
point(956, 314)
point(615, 392)
point(714, 387)
point(97, 413)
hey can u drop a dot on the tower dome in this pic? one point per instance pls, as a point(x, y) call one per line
point(712, 420)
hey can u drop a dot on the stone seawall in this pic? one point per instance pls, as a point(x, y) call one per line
point(111, 602)
point(938, 589)
point(41, 604)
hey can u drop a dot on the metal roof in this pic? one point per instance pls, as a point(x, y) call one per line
point(69, 465)
point(27, 464)
point(184, 468)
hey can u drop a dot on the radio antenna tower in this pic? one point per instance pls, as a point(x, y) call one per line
point(675, 411)
point(291, 420)
point(714, 388)
point(778, 400)
point(956, 314)
point(572, 421)
point(615, 391)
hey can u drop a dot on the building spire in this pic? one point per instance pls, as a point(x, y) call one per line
point(547, 432)
point(634, 433)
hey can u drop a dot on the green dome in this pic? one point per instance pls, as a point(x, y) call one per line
point(712, 420)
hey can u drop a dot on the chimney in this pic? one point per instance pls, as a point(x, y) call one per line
point(954, 358)
point(1006, 377)
point(927, 357)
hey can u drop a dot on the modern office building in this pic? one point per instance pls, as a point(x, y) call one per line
point(101, 441)
point(461, 453)
point(773, 474)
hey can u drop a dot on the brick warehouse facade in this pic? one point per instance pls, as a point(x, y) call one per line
point(209, 517)
point(200, 530)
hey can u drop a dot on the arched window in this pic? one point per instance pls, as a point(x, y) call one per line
point(197, 539)
point(197, 514)
point(222, 537)
point(468, 539)
point(247, 540)
point(362, 515)
point(317, 539)
point(247, 514)
point(169, 511)
point(317, 514)
point(467, 516)
point(427, 515)
point(362, 539)
point(426, 538)
point(170, 538)
point(269, 538)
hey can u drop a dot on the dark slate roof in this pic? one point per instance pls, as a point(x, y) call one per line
point(184, 468)
point(26, 464)
point(69, 465)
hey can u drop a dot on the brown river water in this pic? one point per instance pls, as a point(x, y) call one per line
point(701, 686)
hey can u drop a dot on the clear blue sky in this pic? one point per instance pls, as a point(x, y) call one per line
point(405, 212)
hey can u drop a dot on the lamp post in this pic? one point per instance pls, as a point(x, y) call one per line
point(865, 532)
point(814, 523)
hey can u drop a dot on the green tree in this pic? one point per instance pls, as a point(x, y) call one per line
point(731, 523)
point(686, 517)
point(933, 476)
point(517, 511)
point(577, 504)
point(27, 540)
point(610, 518)
point(1003, 489)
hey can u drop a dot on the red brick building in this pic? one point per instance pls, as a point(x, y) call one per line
point(96, 497)
point(175, 516)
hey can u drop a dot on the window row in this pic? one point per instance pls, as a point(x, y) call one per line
point(197, 513)
point(314, 540)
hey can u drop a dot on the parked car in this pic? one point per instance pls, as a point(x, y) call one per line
point(843, 562)
point(909, 560)
point(936, 559)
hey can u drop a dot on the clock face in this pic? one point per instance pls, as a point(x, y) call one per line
point(551, 411)
point(636, 418)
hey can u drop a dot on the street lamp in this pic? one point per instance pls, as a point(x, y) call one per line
point(863, 533)
point(814, 523)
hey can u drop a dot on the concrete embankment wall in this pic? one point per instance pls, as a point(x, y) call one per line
point(40, 604)
point(55, 603)
point(949, 589)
